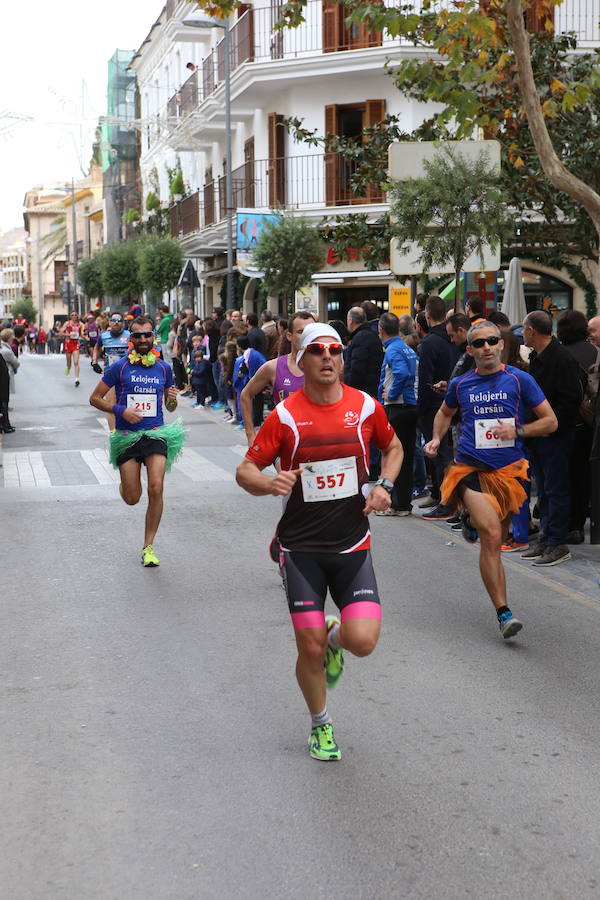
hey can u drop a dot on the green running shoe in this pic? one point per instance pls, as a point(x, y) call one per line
point(322, 745)
point(149, 557)
point(67, 371)
point(334, 659)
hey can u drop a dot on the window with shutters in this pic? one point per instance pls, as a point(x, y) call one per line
point(276, 164)
point(349, 121)
point(339, 36)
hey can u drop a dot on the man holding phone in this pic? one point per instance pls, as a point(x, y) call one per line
point(437, 357)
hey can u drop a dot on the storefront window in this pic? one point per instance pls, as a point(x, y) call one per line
point(341, 299)
point(541, 292)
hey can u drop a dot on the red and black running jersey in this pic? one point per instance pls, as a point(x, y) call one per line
point(331, 445)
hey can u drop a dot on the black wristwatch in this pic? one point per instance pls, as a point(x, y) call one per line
point(386, 484)
point(520, 432)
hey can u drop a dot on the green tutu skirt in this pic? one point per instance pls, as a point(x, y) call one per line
point(173, 434)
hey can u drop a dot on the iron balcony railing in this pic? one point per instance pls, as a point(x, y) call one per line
point(302, 182)
point(254, 39)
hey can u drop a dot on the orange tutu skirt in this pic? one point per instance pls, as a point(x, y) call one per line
point(502, 487)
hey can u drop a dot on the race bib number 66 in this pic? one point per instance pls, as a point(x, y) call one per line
point(329, 479)
point(486, 435)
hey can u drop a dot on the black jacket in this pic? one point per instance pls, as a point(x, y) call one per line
point(558, 375)
point(437, 358)
point(4, 381)
point(362, 360)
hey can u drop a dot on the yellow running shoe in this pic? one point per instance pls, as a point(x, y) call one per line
point(149, 557)
point(322, 745)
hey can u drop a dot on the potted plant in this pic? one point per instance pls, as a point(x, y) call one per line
point(177, 186)
point(152, 202)
point(132, 217)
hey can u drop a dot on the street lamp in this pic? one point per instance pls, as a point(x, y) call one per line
point(213, 23)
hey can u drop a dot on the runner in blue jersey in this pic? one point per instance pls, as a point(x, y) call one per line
point(485, 481)
point(115, 343)
point(142, 383)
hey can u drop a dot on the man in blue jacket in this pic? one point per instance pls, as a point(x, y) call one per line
point(437, 358)
point(397, 393)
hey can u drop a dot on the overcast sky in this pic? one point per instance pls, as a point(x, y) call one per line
point(53, 68)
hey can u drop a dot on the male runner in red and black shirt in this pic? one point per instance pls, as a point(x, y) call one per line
point(322, 435)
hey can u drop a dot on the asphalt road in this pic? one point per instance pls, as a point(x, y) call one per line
point(154, 739)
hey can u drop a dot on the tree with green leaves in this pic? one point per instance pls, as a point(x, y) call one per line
point(89, 276)
point(120, 270)
point(25, 308)
point(486, 72)
point(160, 262)
point(454, 210)
point(289, 252)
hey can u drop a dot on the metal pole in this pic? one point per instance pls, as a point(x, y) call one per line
point(228, 171)
point(74, 229)
point(38, 247)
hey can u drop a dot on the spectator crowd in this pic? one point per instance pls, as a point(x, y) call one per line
point(407, 364)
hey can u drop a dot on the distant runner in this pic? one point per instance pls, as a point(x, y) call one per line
point(72, 331)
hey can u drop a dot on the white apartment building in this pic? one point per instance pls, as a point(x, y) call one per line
point(43, 213)
point(13, 272)
point(330, 76)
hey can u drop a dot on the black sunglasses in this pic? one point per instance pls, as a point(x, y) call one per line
point(141, 334)
point(478, 343)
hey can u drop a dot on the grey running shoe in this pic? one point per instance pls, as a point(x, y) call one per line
point(508, 625)
point(537, 550)
point(553, 556)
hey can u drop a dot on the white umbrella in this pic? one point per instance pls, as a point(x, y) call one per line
point(513, 301)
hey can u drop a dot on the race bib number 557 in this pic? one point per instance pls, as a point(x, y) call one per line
point(329, 479)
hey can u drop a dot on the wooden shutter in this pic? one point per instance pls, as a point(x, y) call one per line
point(276, 167)
point(332, 169)
point(333, 26)
point(374, 113)
point(537, 15)
point(243, 37)
point(249, 194)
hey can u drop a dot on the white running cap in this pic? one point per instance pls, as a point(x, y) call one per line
point(312, 333)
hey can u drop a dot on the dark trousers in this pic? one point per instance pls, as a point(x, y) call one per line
point(550, 460)
point(258, 410)
point(403, 420)
point(218, 380)
point(580, 477)
point(444, 456)
point(179, 375)
point(200, 386)
point(4, 419)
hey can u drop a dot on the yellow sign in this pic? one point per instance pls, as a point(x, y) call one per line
point(399, 298)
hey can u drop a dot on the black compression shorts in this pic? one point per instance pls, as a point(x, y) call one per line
point(348, 576)
point(146, 446)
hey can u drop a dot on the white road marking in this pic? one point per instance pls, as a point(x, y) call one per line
point(197, 468)
point(97, 462)
point(103, 423)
